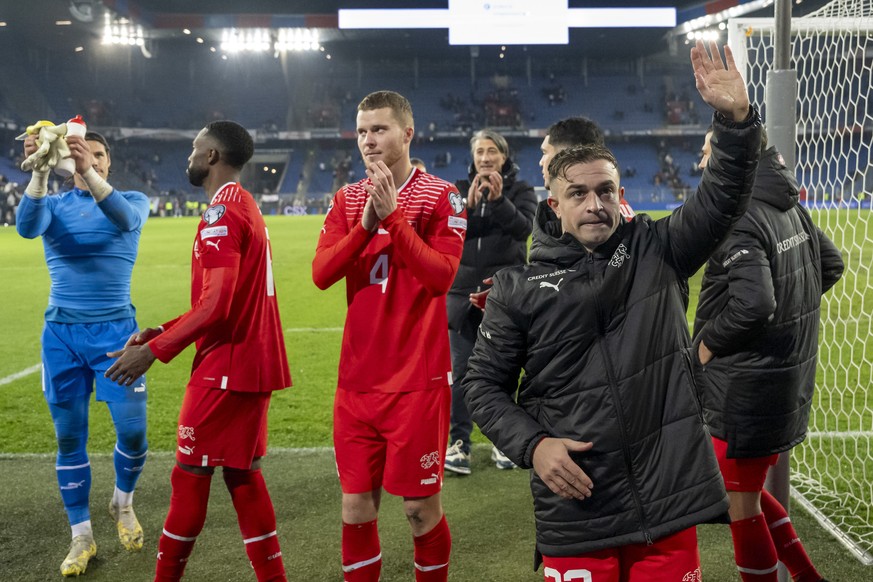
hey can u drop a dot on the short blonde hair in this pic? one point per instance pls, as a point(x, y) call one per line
point(397, 103)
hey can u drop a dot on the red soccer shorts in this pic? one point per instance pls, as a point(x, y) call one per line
point(673, 558)
point(222, 427)
point(395, 440)
point(742, 474)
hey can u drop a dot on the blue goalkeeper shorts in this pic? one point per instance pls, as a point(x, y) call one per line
point(74, 360)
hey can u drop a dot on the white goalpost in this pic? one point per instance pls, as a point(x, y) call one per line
point(832, 53)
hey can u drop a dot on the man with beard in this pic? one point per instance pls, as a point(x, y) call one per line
point(240, 361)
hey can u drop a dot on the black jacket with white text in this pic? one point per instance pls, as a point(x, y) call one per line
point(759, 314)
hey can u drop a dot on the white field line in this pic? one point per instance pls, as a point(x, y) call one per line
point(35, 368)
point(25, 372)
point(298, 451)
point(846, 434)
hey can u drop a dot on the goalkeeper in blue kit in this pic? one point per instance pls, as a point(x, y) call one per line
point(90, 235)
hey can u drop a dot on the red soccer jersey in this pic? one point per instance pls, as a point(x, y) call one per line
point(396, 332)
point(246, 351)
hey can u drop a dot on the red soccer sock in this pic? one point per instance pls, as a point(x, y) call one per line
point(257, 522)
point(753, 550)
point(791, 551)
point(184, 522)
point(432, 553)
point(362, 555)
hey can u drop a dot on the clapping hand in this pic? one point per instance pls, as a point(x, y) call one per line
point(382, 190)
point(495, 186)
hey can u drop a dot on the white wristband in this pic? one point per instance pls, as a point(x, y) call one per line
point(98, 187)
point(38, 186)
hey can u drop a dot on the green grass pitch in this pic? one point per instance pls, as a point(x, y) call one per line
point(489, 512)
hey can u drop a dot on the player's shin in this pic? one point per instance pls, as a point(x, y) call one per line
point(74, 481)
point(185, 520)
point(362, 553)
point(72, 466)
point(257, 522)
point(788, 547)
point(432, 552)
point(753, 550)
point(131, 448)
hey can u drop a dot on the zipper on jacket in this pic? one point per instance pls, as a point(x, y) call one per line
point(479, 240)
point(601, 329)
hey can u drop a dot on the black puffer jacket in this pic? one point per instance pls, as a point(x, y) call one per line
point(497, 234)
point(759, 315)
point(604, 345)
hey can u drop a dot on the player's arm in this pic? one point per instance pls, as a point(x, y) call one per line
point(751, 296)
point(212, 308)
point(489, 386)
point(433, 266)
point(434, 260)
point(832, 265)
point(128, 211)
point(492, 376)
point(338, 247)
point(34, 214)
point(697, 228)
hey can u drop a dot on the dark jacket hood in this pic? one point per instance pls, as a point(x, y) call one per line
point(551, 245)
point(775, 183)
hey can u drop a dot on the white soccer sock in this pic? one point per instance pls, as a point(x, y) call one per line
point(83, 528)
point(122, 498)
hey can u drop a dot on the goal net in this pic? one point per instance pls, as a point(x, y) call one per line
point(832, 53)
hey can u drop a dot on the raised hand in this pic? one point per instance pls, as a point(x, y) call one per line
point(722, 87)
point(80, 151)
point(30, 145)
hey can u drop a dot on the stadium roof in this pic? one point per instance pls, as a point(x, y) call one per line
point(34, 23)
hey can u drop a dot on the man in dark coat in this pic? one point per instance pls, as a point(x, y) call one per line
point(623, 468)
point(756, 334)
point(500, 213)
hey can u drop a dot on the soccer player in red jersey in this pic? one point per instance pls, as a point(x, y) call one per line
point(397, 237)
point(240, 361)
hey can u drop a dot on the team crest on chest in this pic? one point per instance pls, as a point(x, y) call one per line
point(214, 213)
point(456, 202)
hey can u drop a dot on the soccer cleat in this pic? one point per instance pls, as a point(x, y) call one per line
point(82, 549)
point(501, 461)
point(129, 529)
point(457, 460)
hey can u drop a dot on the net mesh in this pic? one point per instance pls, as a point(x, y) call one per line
point(832, 52)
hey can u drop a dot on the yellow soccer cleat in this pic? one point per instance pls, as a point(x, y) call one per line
point(129, 529)
point(82, 549)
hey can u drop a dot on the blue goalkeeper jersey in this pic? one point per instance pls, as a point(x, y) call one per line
point(90, 250)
